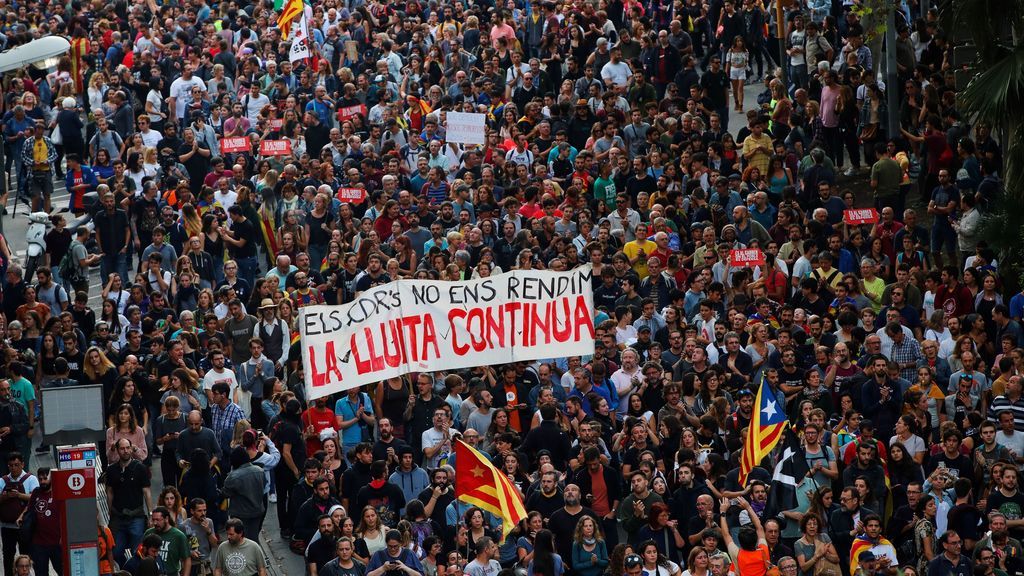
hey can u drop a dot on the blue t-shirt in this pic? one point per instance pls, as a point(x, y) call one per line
point(347, 410)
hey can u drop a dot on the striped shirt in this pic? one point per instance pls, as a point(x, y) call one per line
point(1002, 403)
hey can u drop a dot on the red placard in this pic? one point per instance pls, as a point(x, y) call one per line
point(277, 124)
point(860, 216)
point(746, 258)
point(275, 148)
point(237, 144)
point(73, 484)
point(353, 195)
point(350, 111)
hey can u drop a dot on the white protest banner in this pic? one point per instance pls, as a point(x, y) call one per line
point(426, 325)
point(300, 40)
point(465, 128)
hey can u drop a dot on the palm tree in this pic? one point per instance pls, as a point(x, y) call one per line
point(996, 95)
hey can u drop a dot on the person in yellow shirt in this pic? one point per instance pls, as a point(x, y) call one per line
point(871, 286)
point(639, 250)
point(757, 147)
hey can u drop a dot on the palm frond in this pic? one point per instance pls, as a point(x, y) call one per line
point(987, 22)
point(996, 91)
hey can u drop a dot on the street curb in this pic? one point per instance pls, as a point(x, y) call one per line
point(274, 567)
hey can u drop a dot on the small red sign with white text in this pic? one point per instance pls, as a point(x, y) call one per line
point(350, 111)
point(353, 195)
point(277, 124)
point(746, 258)
point(237, 144)
point(275, 148)
point(860, 216)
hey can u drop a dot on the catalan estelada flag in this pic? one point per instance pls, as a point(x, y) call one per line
point(767, 424)
point(479, 483)
point(290, 12)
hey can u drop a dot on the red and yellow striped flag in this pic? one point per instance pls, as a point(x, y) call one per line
point(291, 12)
point(766, 426)
point(479, 483)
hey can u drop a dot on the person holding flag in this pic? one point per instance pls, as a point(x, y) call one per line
point(767, 424)
point(291, 11)
point(871, 540)
point(479, 483)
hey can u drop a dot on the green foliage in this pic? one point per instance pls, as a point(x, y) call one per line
point(872, 14)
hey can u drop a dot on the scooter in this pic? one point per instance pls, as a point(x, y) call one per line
point(36, 237)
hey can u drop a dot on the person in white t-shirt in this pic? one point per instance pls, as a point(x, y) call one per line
point(253, 102)
point(220, 374)
point(485, 563)
point(181, 91)
point(616, 73)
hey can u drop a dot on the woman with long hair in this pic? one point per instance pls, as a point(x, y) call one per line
point(545, 560)
point(849, 120)
point(126, 427)
point(822, 506)
point(370, 533)
point(98, 369)
point(126, 392)
point(185, 388)
point(199, 480)
point(589, 549)
point(49, 350)
point(924, 532)
point(736, 61)
point(655, 563)
point(333, 462)
point(902, 471)
point(528, 529)
point(171, 499)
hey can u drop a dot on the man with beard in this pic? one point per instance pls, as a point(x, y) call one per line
point(174, 549)
point(563, 521)
point(548, 498)
point(306, 518)
point(633, 510)
point(321, 550)
point(866, 466)
point(437, 496)
point(387, 446)
point(881, 398)
point(840, 371)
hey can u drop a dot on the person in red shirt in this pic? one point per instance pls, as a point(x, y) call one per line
point(316, 419)
point(886, 229)
point(952, 297)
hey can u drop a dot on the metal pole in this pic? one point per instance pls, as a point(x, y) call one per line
point(891, 84)
point(780, 34)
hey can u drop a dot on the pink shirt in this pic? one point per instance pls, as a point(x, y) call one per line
point(503, 31)
point(829, 98)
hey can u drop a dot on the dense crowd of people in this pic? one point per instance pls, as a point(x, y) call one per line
point(892, 345)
